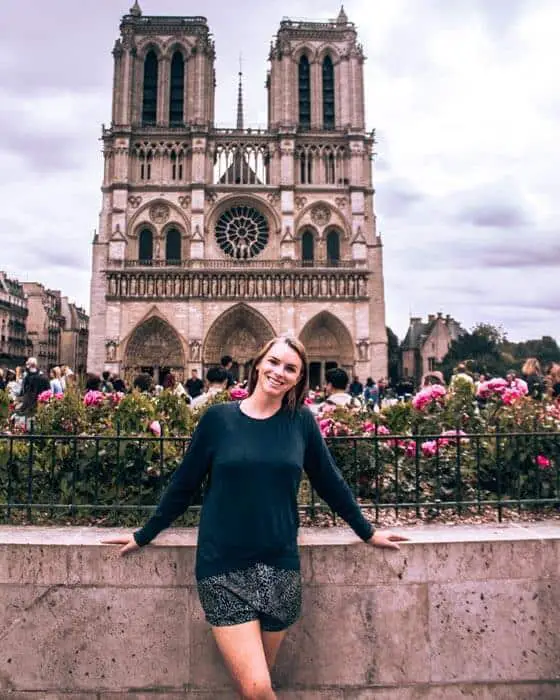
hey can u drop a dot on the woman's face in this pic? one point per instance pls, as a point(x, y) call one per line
point(279, 370)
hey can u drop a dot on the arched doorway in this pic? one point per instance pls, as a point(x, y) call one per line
point(328, 344)
point(240, 332)
point(154, 347)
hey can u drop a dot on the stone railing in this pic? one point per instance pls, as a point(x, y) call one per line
point(233, 264)
point(459, 612)
point(235, 284)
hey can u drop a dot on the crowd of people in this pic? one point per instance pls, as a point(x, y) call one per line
point(25, 384)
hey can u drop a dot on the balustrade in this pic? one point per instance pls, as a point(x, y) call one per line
point(235, 284)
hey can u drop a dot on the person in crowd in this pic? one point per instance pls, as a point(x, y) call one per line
point(461, 374)
point(170, 383)
point(194, 385)
point(434, 377)
point(533, 375)
point(119, 385)
point(227, 363)
point(404, 388)
point(553, 380)
point(67, 377)
point(93, 382)
point(511, 376)
point(2, 380)
point(356, 388)
point(335, 390)
point(13, 384)
point(247, 559)
point(371, 394)
point(106, 383)
point(56, 381)
point(34, 383)
point(144, 383)
point(216, 378)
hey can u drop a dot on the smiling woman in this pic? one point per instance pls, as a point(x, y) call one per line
point(247, 562)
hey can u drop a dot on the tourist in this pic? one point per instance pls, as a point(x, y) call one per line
point(553, 380)
point(67, 377)
point(227, 363)
point(216, 378)
point(533, 375)
point(171, 384)
point(144, 383)
point(2, 380)
point(56, 381)
point(335, 390)
point(118, 385)
point(34, 383)
point(356, 388)
point(106, 383)
point(460, 374)
point(13, 383)
point(194, 385)
point(247, 560)
point(371, 395)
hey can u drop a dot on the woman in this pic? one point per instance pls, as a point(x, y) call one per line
point(247, 564)
point(56, 381)
point(533, 375)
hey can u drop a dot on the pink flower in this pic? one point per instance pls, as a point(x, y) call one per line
point(155, 428)
point(237, 393)
point(543, 462)
point(326, 426)
point(429, 448)
point(410, 448)
point(93, 398)
point(45, 396)
point(428, 394)
point(497, 385)
point(308, 401)
point(116, 397)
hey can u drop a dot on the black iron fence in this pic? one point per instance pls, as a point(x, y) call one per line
point(118, 480)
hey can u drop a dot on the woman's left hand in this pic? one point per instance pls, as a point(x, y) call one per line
point(386, 539)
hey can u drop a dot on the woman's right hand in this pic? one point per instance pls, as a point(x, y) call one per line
point(127, 540)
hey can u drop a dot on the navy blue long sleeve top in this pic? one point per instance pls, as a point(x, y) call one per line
point(250, 511)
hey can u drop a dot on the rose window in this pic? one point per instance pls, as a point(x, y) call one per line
point(242, 232)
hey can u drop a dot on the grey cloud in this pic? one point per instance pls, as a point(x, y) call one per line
point(494, 215)
point(396, 197)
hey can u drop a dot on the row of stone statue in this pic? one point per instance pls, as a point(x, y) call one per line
point(241, 285)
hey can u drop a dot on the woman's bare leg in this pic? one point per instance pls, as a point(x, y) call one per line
point(271, 644)
point(242, 649)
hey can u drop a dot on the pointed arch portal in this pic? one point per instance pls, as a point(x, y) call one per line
point(240, 332)
point(154, 347)
point(328, 344)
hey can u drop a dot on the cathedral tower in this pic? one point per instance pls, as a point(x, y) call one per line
point(212, 240)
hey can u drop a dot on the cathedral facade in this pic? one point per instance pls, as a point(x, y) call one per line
point(211, 241)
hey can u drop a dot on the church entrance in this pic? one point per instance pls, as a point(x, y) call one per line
point(240, 332)
point(329, 345)
point(154, 348)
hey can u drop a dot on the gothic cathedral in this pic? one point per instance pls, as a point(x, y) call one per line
point(211, 241)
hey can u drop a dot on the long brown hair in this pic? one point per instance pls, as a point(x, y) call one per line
point(294, 398)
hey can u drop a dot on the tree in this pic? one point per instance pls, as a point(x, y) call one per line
point(393, 356)
point(480, 350)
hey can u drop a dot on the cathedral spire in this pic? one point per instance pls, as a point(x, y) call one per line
point(135, 10)
point(342, 17)
point(240, 97)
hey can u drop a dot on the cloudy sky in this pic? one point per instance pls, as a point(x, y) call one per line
point(464, 95)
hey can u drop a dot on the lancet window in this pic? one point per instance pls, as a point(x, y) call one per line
point(328, 93)
point(321, 165)
point(177, 90)
point(177, 159)
point(304, 84)
point(150, 87)
point(307, 248)
point(173, 247)
point(333, 248)
point(146, 246)
point(145, 160)
point(241, 164)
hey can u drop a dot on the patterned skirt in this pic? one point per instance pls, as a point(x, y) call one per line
point(260, 592)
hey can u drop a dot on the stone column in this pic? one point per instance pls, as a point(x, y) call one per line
point(316, 95)
point(162, 111)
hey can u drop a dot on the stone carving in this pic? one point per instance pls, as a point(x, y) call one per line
point(185, 201)
point(194, 348)
point(111, 350)
point(211, 196)
point(320, 215)
point(230, 284)
point(363, 348)
point(159, 213)
point(273, 198)
point(134, 201)
point(340, 202)
point(300, 202)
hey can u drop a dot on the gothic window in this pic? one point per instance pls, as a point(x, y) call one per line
point(145, 159)
point(149, 102)
point(146, 247)
point(177, 89)
point(328, 93)
point(304, 80)
point(330, 169)
point(242, 232)
point(307, 248)
point(333, 248)
point(173, 247)
point(305, 157)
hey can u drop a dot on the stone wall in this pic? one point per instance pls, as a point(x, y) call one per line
point(457, 613)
